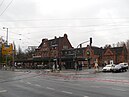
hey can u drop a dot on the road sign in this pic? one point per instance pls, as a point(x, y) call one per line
point(7, 49)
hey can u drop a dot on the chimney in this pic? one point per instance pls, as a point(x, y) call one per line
point(65, 35)
point(43, 40)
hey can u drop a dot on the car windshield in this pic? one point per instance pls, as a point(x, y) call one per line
point(117, 65)
point(109, 65)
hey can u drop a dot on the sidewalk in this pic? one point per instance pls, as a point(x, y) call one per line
point(71, 73)
point(66, 71)
point(81, 72)
point(65, 75)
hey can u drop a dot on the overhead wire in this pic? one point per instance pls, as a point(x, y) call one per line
point(24, 37)
point(6, 8)
point(119, 23)
point(59, 19)
point(1, 3)
point(33, 27)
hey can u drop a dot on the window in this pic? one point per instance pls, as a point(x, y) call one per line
point(65, 47)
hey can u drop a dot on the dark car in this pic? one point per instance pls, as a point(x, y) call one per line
point(124, 66)
point(117, 68)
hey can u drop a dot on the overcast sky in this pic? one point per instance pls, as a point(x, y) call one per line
point(29, 21)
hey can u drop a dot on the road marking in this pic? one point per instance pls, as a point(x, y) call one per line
point(119, 89)
point(86, 96)
point(3, 91)
point(50, 88)
point(21, 81)
point(67, 92)
point(95, 86)
point(28, 83)
point(37, 85)
point(76, 84)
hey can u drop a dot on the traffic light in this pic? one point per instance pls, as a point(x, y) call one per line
point(88, 53)
point(90, 41)
point(80, 45)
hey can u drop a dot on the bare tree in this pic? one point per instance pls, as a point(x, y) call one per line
point(30, 51)
point(20, 54)
point(107, 46)
point(113, 45)
point(120, 44)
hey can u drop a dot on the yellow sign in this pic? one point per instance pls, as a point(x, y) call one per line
point(7, 49)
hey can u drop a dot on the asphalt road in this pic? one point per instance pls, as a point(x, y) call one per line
point(36, 84)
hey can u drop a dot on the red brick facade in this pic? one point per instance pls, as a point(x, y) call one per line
point(116, 54)
point(90, 54)
point(60, 51)
point(52, 48)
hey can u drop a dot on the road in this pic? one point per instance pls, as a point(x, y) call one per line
point(38, 84)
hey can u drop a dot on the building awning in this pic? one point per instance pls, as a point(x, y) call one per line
point(72, 59)
point(41, 59)
point(47, 59)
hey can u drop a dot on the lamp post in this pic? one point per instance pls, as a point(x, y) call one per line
point(6, 34)
point(7, 44)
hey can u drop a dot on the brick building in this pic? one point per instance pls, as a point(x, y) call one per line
point(85, 56)
point(116, 54)
point(90, 54)
point(70, 56)
point(49, 51)
point(60, 51)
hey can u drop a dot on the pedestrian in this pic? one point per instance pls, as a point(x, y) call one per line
point(96, 66)
point(53, 67)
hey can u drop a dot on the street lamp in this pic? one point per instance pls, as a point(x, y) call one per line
point(7, 44)
point(6, 35)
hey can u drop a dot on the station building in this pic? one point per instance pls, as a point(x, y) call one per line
point(60, 51)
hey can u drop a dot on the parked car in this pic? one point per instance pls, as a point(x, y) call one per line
point(108, 68)
point(124, 66)
point(117, 68)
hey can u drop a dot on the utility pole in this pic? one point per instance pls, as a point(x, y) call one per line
point(6, 35)
point(88, 53)
point(76, 63)
point(6, 44)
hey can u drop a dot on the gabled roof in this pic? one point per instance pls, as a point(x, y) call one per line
point(51, 42)
point(54, 42)
point(117, 50)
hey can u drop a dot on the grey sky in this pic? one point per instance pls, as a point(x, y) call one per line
point(106, 21)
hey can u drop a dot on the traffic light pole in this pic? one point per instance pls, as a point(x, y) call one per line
point(76, 67)
point(80, 47)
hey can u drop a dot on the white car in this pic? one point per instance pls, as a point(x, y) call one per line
point(108, 68)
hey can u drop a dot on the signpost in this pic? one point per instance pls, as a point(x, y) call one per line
point(7, 50)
